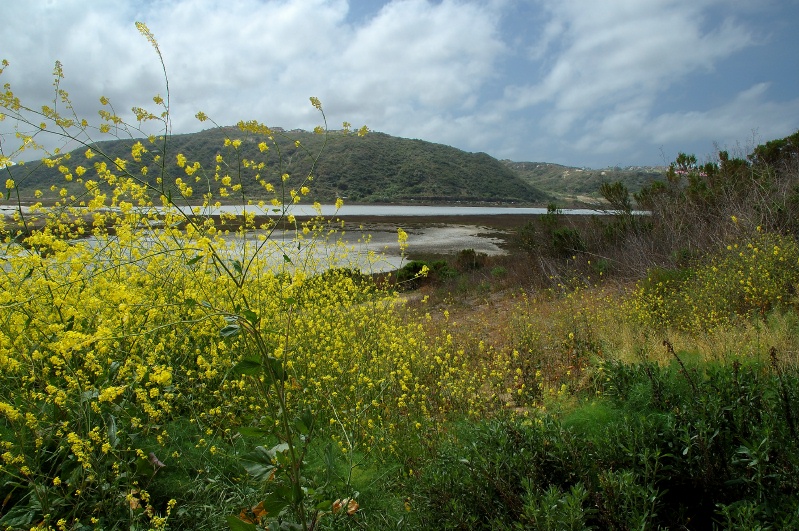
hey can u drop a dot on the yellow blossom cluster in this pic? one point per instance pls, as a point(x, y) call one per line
point(747, 277)
point(127, 310)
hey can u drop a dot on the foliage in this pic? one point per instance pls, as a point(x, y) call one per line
point(747, 278)
point(691, 209)
point(166, 367)
point(374, 168)
point(155, 357)
point(549, 235)
point(667, 447)
point(571, 185)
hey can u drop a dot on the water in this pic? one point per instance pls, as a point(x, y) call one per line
point(396, 210)
point(381, 237)
point(375, 210)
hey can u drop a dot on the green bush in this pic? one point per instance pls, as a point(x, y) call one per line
point(683, 445)
point(469, 260)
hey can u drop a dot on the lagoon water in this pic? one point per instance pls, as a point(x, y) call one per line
point(379, 237)
point(389, 211)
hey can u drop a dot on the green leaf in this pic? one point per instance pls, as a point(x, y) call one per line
point(112, 431)
point(191, 303)
point(276, 369)
point(194, 260)
point(324, 505)
point(275, 502)
point(237, 524)
point(229, 330)
point(304, 424)
point(308, 418)
point(253, 432)
point(259, 463)
point(301, 427)
point(18, 517)
point(251, 316)
point(143, 467)
point(237, 266)
point(286, 258)
point(251, 366)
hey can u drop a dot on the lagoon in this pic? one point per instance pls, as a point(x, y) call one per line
point(389, 211)
point(432, 229)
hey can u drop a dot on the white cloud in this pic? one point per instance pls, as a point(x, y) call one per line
point(616, 50)
point(749, 111)
point(413, 62)
point(418, 58)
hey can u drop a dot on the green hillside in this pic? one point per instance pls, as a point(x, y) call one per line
point(374, 168)
point(572, 185)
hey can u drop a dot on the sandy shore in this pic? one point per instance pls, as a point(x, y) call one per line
point(426, 239)
point(438, 234)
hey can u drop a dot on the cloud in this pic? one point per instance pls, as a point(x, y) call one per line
point(416, 60)
point(613, 51)
point(411, 63)
point(749, 112)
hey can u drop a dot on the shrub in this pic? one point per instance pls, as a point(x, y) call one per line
point(750, 277)
point(663, 447)
point(692, 206)
point(469, 260)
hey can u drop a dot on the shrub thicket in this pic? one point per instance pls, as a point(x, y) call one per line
point(750, 277)
point(666, 448)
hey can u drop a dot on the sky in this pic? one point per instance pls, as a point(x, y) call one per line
point(576, 82)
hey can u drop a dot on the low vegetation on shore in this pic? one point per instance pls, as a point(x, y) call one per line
point(162, 369)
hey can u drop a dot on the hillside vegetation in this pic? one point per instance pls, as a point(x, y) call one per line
point(573, 186)
point(376, 168)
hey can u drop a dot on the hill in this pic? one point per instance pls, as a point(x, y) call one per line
point(570, 185)
point(375, 168)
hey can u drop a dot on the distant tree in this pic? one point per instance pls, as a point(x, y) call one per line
point(698, 206)
point(617, 195)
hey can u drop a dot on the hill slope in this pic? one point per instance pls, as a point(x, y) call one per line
point(572, 185)
point(374, 168)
